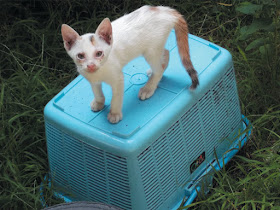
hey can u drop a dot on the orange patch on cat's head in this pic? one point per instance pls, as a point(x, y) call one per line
point(92, 40)
point(155, 9)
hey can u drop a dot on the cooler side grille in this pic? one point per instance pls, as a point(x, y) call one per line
point(164, 165)
point(88, 172)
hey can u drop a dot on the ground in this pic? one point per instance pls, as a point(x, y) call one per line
point(34, 67)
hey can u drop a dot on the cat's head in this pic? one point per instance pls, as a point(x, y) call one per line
point(89, 51)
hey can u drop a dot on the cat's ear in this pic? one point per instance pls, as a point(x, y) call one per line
point(69, 36)
point(104, 31)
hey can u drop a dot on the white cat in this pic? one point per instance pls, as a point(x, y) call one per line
point(100, 56)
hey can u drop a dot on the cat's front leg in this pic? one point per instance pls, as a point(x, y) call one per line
point(115, 114)
point(97, 103)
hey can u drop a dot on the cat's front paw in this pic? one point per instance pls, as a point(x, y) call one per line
point(114, 117)
point(145, 93)
point(96, 106)
point(149, 72)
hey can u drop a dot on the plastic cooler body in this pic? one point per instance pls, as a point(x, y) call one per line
point(146, 160)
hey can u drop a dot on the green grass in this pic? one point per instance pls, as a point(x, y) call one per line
point(34, 67)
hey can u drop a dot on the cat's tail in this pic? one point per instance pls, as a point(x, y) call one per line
point(181, 31)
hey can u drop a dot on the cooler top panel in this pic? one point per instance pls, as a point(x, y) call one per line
point(74, 100)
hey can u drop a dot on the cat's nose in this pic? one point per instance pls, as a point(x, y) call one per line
point(91, 68)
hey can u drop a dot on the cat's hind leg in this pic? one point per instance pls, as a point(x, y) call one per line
point(158, 63)
point(165, 59)
point(164, 62)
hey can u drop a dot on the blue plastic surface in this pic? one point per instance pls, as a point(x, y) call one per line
point(207, 171)
point(145, 161)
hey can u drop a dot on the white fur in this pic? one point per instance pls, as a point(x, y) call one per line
point(142, 32)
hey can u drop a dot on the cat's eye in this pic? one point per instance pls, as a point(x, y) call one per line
point(81, 56)
point(98, 54)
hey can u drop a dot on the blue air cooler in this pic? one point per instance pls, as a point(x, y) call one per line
point(161, 150)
